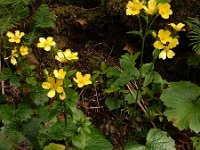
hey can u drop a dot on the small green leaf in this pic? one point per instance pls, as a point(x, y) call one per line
point(14, 81)
point(6, 73)
point(131, 97)
point(135, 32)
point(148, 79)
point(31, 80)
point(146, 68)
point(39, 95)
point(53, 146)
point(134, 146)
point(112, 103)
point(182, 100)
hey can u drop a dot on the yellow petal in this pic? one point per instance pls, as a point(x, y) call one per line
point(51, 80)
point(163, 54)
point(62, 96)
point(170, 54)
point(59, 89)
point(79, 75)
point(46, 85)
point(47, 48)
point(42, 40)
point(80, 85)
point(13, 61)
point(174, 42)
point(40, 45)
point(51, 93)
point(10, 34)
point(59, 82)
point(158, 45)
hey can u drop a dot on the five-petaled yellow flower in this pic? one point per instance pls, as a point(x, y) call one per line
point(152, 7)
point(164, 36)
point(66, 55)
point(15, 37)
point(165, 10)
point(134, 7)
point(166, 49)
point(59, 74)
point(178, 27)
point(12, 56)
point(54, 86)
point(46, 43)
point(23, 50)
point(82, 80)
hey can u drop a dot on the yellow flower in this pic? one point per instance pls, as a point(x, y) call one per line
point(23, 50)
point(134, 7)
point(164, 36)
point(54, 86)
point(66, 55)
point(15, 37)
point(177, 27)
point(164, 10)
point(82, 80)
point(46, 43)
point(59, 74)
point(166, 49)
point(12, 56)
point(152, 7)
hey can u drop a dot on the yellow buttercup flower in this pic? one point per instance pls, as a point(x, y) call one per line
point(166, 49)
point(23, 50)
point(178, 27)
point(66, 56)
point(164, 36)
point(164, 10)
point(152, 7)
point(15, 37)
point(82, 80)
point(12, 56)
point(46, 43)
point(59, 74)
point(54, 86)
point(134, 7)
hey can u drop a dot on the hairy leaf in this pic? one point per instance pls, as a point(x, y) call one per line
point(182, 100)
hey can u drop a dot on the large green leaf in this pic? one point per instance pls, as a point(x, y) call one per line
point(97, 141)
point(53, 146)
point(182, 100)
point(159, 140)
point(156, 140)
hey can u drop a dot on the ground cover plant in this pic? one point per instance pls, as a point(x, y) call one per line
point(99, 75)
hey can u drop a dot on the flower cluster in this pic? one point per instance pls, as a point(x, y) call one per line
point(55, 84)
point(18, 49)
point(135, 6)
point(165, 41)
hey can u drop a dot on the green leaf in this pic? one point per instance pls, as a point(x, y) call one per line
point(196, 142)
point(97, 141)
point(79, 141)
point(23, 112)
point(156, 140)
point(14, 81)
point(39, 95)
point(53, 146)
point(159, 140)
point(31, 80)
point(113, 72)
point(148, 79)
point(182, 100)
point(146, 68)
point(6, 73)
point(134, 146)
point(44, 18)
point(7, 113)
point(112, 103)
point(164, 1)
point(135, 32)
point(131, 97)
